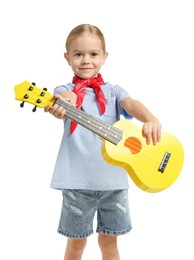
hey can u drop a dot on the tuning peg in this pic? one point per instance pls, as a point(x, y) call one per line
point(33, 83)
point(22, 104)
point(34, 109)
point(43, 93)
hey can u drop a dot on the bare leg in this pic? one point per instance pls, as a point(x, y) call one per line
point(74, 248)
point(108, 246)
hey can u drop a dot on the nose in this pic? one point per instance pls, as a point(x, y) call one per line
point(86, 59)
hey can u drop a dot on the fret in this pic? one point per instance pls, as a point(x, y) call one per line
point(96, 125)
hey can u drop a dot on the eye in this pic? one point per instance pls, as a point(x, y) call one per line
point(78, 54)
point(93, 54)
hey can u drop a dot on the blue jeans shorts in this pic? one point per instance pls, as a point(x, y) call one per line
point(80, 206)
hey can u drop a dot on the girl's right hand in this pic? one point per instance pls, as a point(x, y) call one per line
point(56, 110)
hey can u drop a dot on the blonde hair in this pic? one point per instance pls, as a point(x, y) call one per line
point(84, 28)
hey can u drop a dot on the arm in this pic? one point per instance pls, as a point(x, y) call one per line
point(151, 127)
point(58, 111)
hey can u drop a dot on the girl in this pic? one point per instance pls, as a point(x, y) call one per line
point(88, 183)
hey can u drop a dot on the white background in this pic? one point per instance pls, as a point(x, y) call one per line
point(151, 54)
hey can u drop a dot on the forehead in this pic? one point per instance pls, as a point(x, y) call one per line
point(86, 42)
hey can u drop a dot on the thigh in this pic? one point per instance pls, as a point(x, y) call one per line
point(113, 213)
point(77, 214)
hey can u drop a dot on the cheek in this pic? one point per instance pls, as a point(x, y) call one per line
point(75, 62)
point(103, 61)
point(72, 64)
point(99, 63)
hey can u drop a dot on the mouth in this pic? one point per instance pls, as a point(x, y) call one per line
point(85, 68)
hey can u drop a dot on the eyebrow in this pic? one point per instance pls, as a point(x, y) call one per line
point(84, 51)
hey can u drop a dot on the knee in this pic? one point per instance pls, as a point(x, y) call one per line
point(107, 243)
point(77, 245)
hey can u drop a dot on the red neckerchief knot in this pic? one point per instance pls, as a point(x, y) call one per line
point(80, 91)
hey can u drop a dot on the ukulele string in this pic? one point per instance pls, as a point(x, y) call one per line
point(151, 154)
point(95, 124)
point(99, 126)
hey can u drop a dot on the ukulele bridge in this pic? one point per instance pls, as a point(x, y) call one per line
point(164, 162)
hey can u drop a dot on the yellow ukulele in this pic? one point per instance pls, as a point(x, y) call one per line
point(153, 168)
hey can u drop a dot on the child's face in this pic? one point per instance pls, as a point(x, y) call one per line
point(86, 56)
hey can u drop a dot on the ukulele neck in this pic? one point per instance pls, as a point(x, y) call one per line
point(96, 125)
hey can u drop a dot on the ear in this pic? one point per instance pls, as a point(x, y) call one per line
point(66, 56)
point(105, 57)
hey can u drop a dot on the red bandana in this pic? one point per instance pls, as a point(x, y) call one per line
point(80, 91)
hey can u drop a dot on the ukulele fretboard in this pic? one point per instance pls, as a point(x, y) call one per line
point(96, 125)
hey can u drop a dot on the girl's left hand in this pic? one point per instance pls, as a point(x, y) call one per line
point(152, 132)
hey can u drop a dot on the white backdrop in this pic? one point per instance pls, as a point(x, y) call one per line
point(151, 54)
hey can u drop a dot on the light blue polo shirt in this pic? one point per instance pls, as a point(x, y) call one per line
point(79, 163)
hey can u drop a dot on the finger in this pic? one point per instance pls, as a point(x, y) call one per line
point(159, 135)
point(46, 109)
point(148, 136)
point(156, 134)
point(149, 139)
point(59, 112)
point(147, 133)
point(53, 109)
point(154, 139)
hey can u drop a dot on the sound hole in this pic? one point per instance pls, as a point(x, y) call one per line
point(133, 144)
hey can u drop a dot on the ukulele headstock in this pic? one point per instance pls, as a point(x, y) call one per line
point(28, 92)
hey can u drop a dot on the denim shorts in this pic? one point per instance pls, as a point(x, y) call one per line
point(80, 206)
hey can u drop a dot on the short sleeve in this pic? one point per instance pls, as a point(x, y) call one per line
point(121, 94)
point(62, 88)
